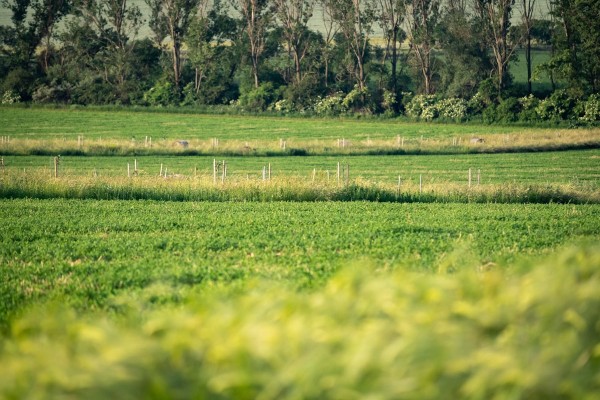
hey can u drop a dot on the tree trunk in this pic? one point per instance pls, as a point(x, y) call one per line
point(176, 63)
point(528, 59)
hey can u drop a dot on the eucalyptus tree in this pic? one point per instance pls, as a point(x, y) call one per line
point(391, 17)
point(257, 17)
point(117, 25)
point(208, 42)
point(293, 17)
point(527, 8)
point(330, 30)
point(466, 61)
point(356, 19)
point(33, 23)
point(576, 44)
point(171, 19)
point(496, 21)
point(423, 18)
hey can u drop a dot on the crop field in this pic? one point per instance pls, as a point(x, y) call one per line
point(429, 267)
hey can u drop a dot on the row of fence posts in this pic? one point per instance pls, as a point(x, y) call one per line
point(220, 168)
point(341, 143)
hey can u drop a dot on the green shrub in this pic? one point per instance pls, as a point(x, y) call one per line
point(468, 332)
point(559, 106)
point(591, 109)
point(423, 107)
point(528, 108)
point(258, 99)
point(508, 110)
point(161, 95)
point(476, 104)
point(330, 105)
point(10, 97)
point(453, 108)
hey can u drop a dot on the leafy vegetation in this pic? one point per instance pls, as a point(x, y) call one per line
point(480, 332)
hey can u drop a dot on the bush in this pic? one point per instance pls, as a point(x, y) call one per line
point(559, 106)
point(528, 108)
point(591, 109)
point(422, 106)
point(476, 104)
point(258, 99)
point(10, 97)
point(160, 95)
point(508, 110)
point(331, 105)
point(54, 93)
point(357, 100)
point(453, 108)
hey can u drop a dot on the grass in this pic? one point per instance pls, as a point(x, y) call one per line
point(86, 252)
point(299, 287)
point(39, 131)
point(366, 333)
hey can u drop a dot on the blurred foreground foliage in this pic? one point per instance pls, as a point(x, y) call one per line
point(530, 331)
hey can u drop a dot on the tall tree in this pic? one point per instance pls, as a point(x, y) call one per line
point(257, 18)
point(33, 22)
point(495, 16)
point(171, 18)
point(576, 44)
point(391, 17)
point(356, 19)
point(422, 20)
point(117, 24)
point(293, 16)
point(466, 60)
point(527, 16)
point(208, 52)
point(330, 30)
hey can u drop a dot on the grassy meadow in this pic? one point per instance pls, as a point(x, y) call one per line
point(179, 283)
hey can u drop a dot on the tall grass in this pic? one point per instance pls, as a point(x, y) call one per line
point(481, 333)
point(38, 185)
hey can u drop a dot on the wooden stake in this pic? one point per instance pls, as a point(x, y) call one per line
point(313, 174)
point(399, 184)
point(135, 170)
point(161, 170)
point(223, 173)
point(269, 171)
point(420, 183)
point(128, 174)
point(56, 162)
point(469, 177)
point(214, 170)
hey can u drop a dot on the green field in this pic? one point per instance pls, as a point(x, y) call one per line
point(568, 167)
point(234, 300)
point(40, 123)
point(303, 286)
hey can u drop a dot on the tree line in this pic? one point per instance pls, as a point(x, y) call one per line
point(428, 58)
